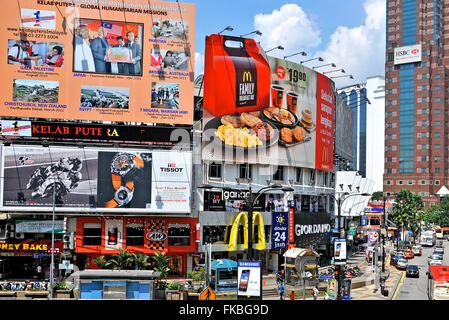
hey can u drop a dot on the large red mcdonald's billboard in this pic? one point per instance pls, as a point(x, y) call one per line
point(269, 110)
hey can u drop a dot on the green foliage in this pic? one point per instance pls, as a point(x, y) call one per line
point(406, 207)
point(176, 286)
point(60, 286)
point(197, 275)
point(161, 263)
point(100, 262)
point(121, 261)
point(378, 195)
point(140, 261)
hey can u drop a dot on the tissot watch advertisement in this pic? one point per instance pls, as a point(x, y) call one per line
point(91, 180)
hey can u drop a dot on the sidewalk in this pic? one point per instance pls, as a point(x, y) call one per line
point(363, 287)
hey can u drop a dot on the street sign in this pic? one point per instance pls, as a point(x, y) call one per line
point(65, 265)
point(208, 294)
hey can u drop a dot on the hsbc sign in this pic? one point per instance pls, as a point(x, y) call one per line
point(409, 54)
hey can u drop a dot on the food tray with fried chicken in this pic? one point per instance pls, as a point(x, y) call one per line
point(243, 130)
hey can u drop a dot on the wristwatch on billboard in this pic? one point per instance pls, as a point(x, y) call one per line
point(123, 165)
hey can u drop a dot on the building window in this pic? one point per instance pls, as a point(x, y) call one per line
point(279, 174)
point(437, 182)
point(389, 137)
point(400, 182)
point(424, 76)
point(388, 182)
point(92, 234)
point(389, 171)
point(389, 80)
point(437, 134)
point(424, 88)
point(438, 76)
point(389, 114)
point(424, 64)
point(437, 123)
point(437, 147)
point(423, 182)
point(389, 125)
point(437, 111)
point(424, 99)
point(437, 159)
point(423, 170)
point(389, 159)
point(389, 148)
point(299, 174)
point(437, 88)
point(437, 170)
point(179, 234)
point(390, 103)
point(437, 100)
point(424, 135)
point(390, 57)
point(424, 111)
point(410, 182)
point(246, 171)
point(423, 158)
point(424, 123)
point(135, 234)
point(215, 170)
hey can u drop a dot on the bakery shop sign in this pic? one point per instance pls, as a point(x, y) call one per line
point(26, 247)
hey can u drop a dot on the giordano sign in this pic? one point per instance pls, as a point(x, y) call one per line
point(242, 218)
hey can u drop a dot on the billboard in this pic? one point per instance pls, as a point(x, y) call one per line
point(344, 138)
point(265, 110)
point(104, 61)
point(107, 180)
point(249, 278)
point(408, 54)
point(311, 227)
point(279, 230)
point(93, 132)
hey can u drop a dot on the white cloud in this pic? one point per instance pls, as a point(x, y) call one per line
point(289, 27)
point(359, 50)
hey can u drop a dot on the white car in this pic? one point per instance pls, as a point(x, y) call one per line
point(402, 264)
point(417, 250)
point(435, 260)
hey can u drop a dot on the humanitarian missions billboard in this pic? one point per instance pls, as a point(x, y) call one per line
point(260, 109)
point(98, 60)
point(109, 180)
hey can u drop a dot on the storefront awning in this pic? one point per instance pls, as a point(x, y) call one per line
point(300, 252)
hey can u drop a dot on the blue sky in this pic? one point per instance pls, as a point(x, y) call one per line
point(349, 33)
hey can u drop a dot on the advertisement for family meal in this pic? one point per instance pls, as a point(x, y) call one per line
point(260, 109)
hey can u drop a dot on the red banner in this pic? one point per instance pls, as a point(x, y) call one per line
point(291, 225)
point(324, 124)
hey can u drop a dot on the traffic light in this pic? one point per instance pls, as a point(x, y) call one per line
point(336, 273)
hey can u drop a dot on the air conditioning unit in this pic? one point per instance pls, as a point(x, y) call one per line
point(20, 235)
point(69, 241)
point(10, 227)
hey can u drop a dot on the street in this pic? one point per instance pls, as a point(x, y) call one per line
point(415, 288)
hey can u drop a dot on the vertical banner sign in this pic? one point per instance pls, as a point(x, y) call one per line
point(291, 225)
point(249, 279)
point(280, 226)
point(325, 124)
point(340, 251)
point(126, 61)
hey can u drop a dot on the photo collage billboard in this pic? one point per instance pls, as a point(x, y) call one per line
point(124, 61)
point(260, 109)
point(106, 180)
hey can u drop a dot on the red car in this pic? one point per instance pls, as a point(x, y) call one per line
point(408, 253)
point(417, 250)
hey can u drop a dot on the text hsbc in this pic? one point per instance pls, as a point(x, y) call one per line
point(405, 53)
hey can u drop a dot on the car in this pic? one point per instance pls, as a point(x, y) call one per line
point(412, 271)
point(409, 254)
point(417, 250)
point(394, 259)
point(402, 264)
point(438, 250)
point(435, 259)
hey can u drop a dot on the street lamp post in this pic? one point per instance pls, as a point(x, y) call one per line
point(278, 47)
point(343, 196)
point(303, 53)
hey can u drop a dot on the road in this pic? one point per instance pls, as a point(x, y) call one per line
point(416, 288)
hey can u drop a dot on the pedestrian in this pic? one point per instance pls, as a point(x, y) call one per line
point(382, 285)
point(39, 271)
point(292, 295)
point(314, 293)
point(281, 291)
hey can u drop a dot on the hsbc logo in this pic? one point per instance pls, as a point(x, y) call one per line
point(409, 54)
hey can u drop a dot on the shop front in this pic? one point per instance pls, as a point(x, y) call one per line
point(28, 259)
point(106, 236)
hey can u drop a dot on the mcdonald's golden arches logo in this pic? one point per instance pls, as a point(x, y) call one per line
point(325, 155)
point(247, 77)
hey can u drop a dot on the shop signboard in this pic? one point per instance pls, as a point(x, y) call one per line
point(96, 179)
point(39, 226)
point(98, 60)
point(230, 200)
point(408, 54)
point(28, 247)
point(249, 277)
point(265, 110)
point(91, 132)
point(311, 227)
point(344, 138)
point(279, 230)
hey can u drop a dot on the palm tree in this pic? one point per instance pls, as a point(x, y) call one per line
point(121, 261)
point(161, 263)
point(100, 261)
point(140, 261)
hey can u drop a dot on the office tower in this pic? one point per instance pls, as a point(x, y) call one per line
point(416, 82)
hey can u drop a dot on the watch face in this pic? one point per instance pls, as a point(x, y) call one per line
point(123, 195)
point(122, 163)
